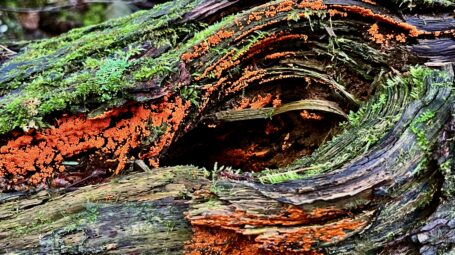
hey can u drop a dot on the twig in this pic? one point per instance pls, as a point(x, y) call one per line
point(8, 51)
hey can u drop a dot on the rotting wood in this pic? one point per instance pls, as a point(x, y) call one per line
point(268, 112)
point(138, 213)
point(382, 184)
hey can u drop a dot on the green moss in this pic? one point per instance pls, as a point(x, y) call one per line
point(96, 66)
point(293, 16)
point(91, 66)
point(419, 130)
point(369, 124)
point(256, 37)
point(363, 125)
point(109, 75)
point(89, 215)
point(421, 166)
point(155, 133)
point(191, 94)
point(39, 222)
point(275, 176)
point(417, 79)
point(448, 187)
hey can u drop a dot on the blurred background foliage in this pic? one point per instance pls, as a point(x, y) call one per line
point(37, 19)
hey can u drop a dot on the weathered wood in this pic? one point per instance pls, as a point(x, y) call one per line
point(139, 213)
point(127, 90)
point(269, 112)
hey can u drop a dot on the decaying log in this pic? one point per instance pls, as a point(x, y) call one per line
point(99, 98)
point(135, 214)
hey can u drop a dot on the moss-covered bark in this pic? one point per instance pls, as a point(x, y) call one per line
point(383, 182)
point(140, 213)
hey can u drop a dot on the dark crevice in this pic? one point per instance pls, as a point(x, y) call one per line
point(258, 144)
point(253, 145)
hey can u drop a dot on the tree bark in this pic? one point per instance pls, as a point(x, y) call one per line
point(135, 214)
point(98, 98)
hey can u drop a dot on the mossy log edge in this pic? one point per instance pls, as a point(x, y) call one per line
point(142, 213)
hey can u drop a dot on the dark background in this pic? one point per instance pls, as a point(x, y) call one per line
point(37, 19)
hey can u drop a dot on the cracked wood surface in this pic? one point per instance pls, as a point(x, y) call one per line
point(382, 185)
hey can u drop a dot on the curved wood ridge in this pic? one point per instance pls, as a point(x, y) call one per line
point(383, 184)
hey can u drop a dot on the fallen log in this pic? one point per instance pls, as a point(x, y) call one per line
point(134, 214)
point(199, 82)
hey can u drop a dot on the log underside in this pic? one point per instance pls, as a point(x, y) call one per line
point(338, 88)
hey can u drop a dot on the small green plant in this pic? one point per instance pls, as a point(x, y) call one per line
point(274, 176)
point(170, 225)
point(155, 133)
point(422, 165)
point(150, 68)
point(110, 73)
point(449, 178)
point(256, 37)
point(190, 94)
point(214, 188)
point(354, 118)
point(91, 212)
point(293, 16)
point(419, 74)
point(446, 166)
point(418, 130)
point(377, 106)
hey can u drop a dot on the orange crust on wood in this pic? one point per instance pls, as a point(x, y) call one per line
point(37, 155)
point(292, 231)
